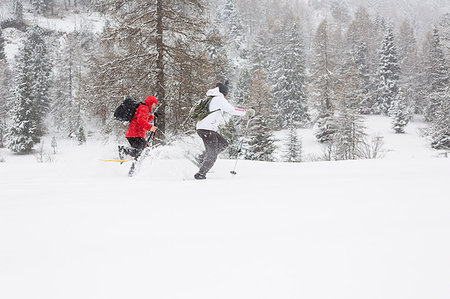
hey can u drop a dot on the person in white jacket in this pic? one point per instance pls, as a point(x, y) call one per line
point(208, 127)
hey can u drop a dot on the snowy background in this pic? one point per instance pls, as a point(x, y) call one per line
point(79, 227)
point(74, 226)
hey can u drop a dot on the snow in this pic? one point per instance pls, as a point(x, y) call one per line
point(92, 22)
point(80, 228)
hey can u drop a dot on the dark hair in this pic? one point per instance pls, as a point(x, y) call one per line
point(223, 88)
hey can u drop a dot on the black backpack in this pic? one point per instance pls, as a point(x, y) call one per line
point(200, 110)
point(127, 109)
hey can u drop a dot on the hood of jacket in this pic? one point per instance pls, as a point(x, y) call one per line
point(214, 92)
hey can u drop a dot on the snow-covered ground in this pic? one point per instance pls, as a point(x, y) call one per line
point(80, 228)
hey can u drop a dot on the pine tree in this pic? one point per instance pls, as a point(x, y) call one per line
point(41, 70)
point(360, 43)
point(409, 62)
point(5, 99)
point(21, 134)
point(349, 135)
point(234, 29)
point(2, 133)
point(290, 88)
point(264, 50)
point(41, 6)
point(2, 46)
point(438, 93)
point(399, 113)
point(340, 11)
point(437, 77)
point(261, 145)
point(17, 9)
point(444, 29)
point(387, 74)
point(323, 83)
point(440, 127)
point(241, 94)
point(231, 134)
point(293, 145)
point(31, 96)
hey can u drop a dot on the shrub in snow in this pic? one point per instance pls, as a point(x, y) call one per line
point(293, 145)
point(261, 145)
point(399, 113)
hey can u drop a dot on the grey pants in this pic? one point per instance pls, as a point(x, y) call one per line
point(214, 145)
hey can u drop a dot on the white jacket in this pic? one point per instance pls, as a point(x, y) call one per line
point(213, 120)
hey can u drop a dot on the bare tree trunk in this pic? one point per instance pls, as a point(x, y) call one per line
point(160, 84)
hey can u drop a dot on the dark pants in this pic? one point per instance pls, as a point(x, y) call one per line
point(214, 145)
point(137, 144)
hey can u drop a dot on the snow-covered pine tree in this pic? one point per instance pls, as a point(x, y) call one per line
point(409, 62)
point(41, 70)
point(437, 76)
point(261, 144)
point(2, 133)
point(322, 69)
point(293, 146)
point(340, 11)
point(21, 134)
point(444, 29)
point(259, 53)
point(17, 10)
point(349, 136)
point(241, 93)
point(360, 45)
point(438, 92)
point(387, 75)
point(5, 99)
point(290, 87)
point(231, 134)
point(32, 100)
point(399, 112)
point(42, 6)
point(440, 127)
point(2, 46)
point(233, 26)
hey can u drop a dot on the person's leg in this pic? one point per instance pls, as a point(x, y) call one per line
point(211, 149)
point(137, 144)
point(222, 143)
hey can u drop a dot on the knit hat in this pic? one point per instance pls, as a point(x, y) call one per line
point(223, 88)
point(150, 100)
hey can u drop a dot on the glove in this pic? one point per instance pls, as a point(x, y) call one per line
point(250, 112)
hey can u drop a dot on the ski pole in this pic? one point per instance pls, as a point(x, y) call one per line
point(240, 146)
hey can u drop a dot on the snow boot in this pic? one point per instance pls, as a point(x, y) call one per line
point(199, 176)
point(121, 152)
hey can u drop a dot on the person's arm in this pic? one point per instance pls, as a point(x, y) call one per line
point(228, 108)
point(142, 117)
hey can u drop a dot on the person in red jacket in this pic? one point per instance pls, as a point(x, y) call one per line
point(137, 128)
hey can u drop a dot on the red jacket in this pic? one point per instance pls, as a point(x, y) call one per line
point(140, 122)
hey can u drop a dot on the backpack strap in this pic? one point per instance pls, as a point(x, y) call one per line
point(211, 97)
